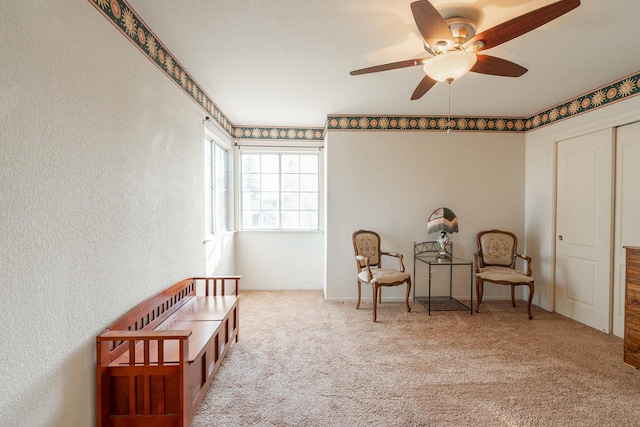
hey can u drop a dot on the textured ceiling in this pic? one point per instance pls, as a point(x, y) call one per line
point(287, 63)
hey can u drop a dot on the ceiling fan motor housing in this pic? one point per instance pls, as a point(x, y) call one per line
point(462, 30)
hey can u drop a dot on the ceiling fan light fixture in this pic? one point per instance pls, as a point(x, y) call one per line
point(450, 66)
point(442, 46)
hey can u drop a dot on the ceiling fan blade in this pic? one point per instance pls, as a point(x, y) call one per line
point(497, 67)
point(390, 66)
point(523, 24)
point(431, 24)
point(424, 86)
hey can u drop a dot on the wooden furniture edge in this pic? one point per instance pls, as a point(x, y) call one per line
point(136, 328)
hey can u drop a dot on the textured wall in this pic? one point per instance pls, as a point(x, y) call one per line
point(101, 184)
point(280, 260)
point(391, 182)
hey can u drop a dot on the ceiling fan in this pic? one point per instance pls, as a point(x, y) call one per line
point(453, 44)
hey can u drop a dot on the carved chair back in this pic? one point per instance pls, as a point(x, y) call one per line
point(497, 248)
point(367, 244)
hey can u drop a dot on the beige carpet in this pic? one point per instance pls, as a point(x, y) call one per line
point(302, 361)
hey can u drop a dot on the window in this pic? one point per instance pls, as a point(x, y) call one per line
point(217, 186)
point(280, 191)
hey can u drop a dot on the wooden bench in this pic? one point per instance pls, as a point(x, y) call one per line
point(154, 363)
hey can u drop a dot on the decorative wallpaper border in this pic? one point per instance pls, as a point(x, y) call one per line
point(127, 21)
point(422, 123)
point(624, 88)
point(279, 133)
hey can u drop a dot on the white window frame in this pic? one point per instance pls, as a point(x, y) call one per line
point(280, 151)
point(213, 146)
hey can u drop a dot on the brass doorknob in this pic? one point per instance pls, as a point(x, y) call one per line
point(560, 237)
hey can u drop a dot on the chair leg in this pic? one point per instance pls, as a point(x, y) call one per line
point(358, 303)
point(380, 295)
point(513, 298)
point(406, 298)
point(531, 290)
point(374, 288)
point(479, 292)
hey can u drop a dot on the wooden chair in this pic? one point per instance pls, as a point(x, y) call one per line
point(495, 262)
point(366, 245)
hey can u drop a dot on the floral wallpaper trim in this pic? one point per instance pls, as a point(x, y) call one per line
point(624, 88)
point(613, 92)
point(125, 19)
point(279, 133)
point(422, 123)
point(129, 23)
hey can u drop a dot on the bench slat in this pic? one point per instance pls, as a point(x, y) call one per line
point(206, 308)
point(201, 332)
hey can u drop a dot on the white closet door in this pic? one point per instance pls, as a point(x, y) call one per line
point(584, 229)
point(627, 217)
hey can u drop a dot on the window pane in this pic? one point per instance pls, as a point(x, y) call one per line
point(290, 201)
point(221, 174)
point(251, 163)
point(270, 219)
point(250, 220)
point(208, 189)
point(270, 182)
point(309, 220)
point(309, 201)
point(308, 182)
point(290, 182)
point(291, 220)
point(250, 182)
point(221, 199)
point(251, 201)
point(221, 220)
point(217, 184)
point(309, 164)
point(270, 163)
point(290, 163)
point(269, 201)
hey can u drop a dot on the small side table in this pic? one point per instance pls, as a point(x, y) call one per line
point(427, 253)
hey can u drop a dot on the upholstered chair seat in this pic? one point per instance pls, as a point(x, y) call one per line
point(368, 255)
point(383, 276)
point(491, 274)
point(495, 262)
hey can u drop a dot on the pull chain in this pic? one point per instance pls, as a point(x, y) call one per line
point(449, 120)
